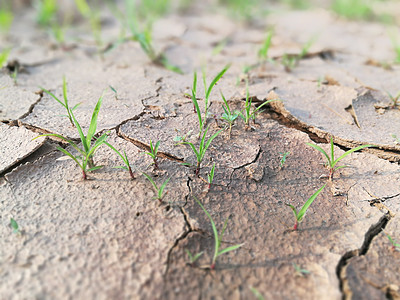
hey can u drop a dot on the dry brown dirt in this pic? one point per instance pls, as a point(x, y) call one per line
point(108, 238)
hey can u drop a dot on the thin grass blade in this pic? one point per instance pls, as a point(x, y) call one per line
point(231, 248)
point(70, 155)
point(322, 151)
point(215, 80)
point(303, 210)
point(351, 151)
point(151, 180)
point(93, 121)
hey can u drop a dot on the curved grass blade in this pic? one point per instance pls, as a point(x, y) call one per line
point(350, 151)
point(303, 210)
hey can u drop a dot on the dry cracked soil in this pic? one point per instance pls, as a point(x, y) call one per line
point(107, 237)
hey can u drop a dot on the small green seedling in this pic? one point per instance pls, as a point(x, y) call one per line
point(14, 226)
point(299, 216)
point(284, 155)
point(202, 148)
point(290, 61)
point(247, 114)
point(263, 52)
point(193, 258)
point(93, 17)
point(395, 246)
point(158, 190)
point(124, 159)
point(85, 157)
point(153, 153)
point(65, 103)
point(114, 91)
point(46, 11)
point(331, 161)
point(210, 176)
point(394, 99)
point(257, 293)
point(217, 238)
point(207, 101)
point(299, 271)
point(181, 138)
point(6, 19)
point(228, 116)
point(4, 57)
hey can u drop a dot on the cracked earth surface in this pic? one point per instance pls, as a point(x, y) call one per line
point(107, 238)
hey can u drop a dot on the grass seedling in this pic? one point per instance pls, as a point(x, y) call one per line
point(210, 176)
point(299, 216)
point(4, 57)
point(14, 226)
point(193, 258)
point(46, 11)
point(202, 148)
point(207, 101)
point(85, 157)
point(6, 19)
point(257, 294)
point(247, 113)
point(124, 159)
point(290, 61)
point(114, 91)
point(94, 19)
point(153, 153)
point(394, 99)
point(181, 138)
point(65, 102)
point(218, 238)
point(284, 155)
point(299, 271)
point(331, 161)
point(395, 246)
point(228, 116)
point(263, 52)
point(158, 190)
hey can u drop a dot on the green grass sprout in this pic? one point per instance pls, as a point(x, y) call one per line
point(153, 153)
point(299, 216)
point(283, 155)
point(6, 19)
point(263, 52)
point(158, 190)
point(228, 116)
point(14, 226)
point(46, 12)
point(299, 271)
point(181, 138)
point(247, 113)
point(210, 176)
point(4, 57)
point(93, 16)
point(331, 161)
point(124, 159)
point(85, 157)
point(65, 102)
point(395, 246)
point(394, 99)
point(193, 257)
point(207, 100)
point(257, 294)
point(114, 91)
point(202, 148)
point(218, 238)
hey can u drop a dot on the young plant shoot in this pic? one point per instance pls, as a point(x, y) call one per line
point(153, 153)
point(210, 176)
point(207, 100)
point(331, 161)
point(247, 113)
point(158, 190)
point(395, 246)
point(124, 159)
point(228, 116)
point(263, 52)
point(14, 226)
point(85, 157)
point(202, 148)
point(65, 103)
point(299, 216)
point(193, 257)
point(217, 238)
point(283, 155)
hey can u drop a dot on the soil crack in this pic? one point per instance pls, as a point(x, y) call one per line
point(372, 232)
